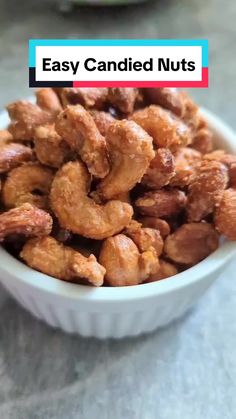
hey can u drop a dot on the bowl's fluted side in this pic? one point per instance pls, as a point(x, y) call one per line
point(58, 312)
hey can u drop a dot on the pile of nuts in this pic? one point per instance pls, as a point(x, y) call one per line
point(113, 186)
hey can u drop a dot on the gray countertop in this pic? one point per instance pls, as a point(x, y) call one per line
point(187, 370)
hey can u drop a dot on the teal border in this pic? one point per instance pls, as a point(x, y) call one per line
point(33, 43)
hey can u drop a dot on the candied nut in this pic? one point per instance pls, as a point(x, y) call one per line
point(77, 127)
point(26, 220)
point(48, 100)
point(20, 132)
point(157, 223)
point(191, 111)
point(26, 112)
point(85, 96)
point(25, 116)
point(52, 258)
point(50, 148)
point(168, 98)
point(130, 151)
point(203, 141)
point(165, 129)
point(144, 238)
point(13, 155)
point(79, 213)
point(103, 120)
point(216, 155)
point(124, 264)
point(225, 215)
point(187, 161)
point(160, 171)
point(228, 159)
point(123, 98)
point(28, 183)
point(166, 270)
point(161, 203)
point(5, 136)
point(206, 190)
point(191, 243)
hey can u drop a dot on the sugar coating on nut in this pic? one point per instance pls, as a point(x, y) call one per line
point(165, 129)
point(225, 215)
point(85, 96)
point(25, 116)
point(166, 269)
point(153, 222)
point(79, 213)
point(191, 243)
point(202, 138)
point(228, 159)
point(26, 220)
point(48, 100)
point(123, 98)
point(144, 237)
point(161, 170)
point(186, 164)
point(206, 189)
point(168, 98)
point(162, 203)
point(28, 183)
point(103, 120)
point(5, 136)
point(77, 127)
point(203, 141)
point(130, 152)
point(47, 255)
point(50, 148)
point(123, 262)
point(13, 155)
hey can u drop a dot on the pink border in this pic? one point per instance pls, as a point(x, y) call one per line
point(201, 83)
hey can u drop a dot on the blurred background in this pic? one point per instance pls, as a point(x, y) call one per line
point(188, 369)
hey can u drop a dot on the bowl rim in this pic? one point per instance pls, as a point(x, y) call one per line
point(10, 266)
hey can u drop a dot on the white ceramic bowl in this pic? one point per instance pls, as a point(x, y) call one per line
point(116, 312)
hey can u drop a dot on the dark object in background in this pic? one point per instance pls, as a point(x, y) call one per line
point(66, 6)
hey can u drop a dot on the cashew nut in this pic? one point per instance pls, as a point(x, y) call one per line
point(103, 120)
point(79, 130)
point(50, 148)
point(130, 151)
point(48, 100)
point(85, 96)
point(25, 116)
point(168, 98)
point(28, 183)
point(123, 98)
point(163, 126)
point(53, 258)
point(79, 213)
